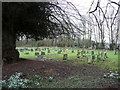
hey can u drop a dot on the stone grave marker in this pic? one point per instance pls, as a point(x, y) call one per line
point(42, 53)
point(66, 51)
point(73, 51)
point(21, 50)
point(48, 50)
point(115, 52)
point(65, 56)
point(102, 53)
point(36, 53)
point(87, 51)
point(105, 55)
point(81, 53)
point(59, 52)
point(40, 57)
point(78, 55)
point(93, 58)
point(92, 52)
point(78, 52)
point(27, 53)
point(88, 59)
point(31, 49)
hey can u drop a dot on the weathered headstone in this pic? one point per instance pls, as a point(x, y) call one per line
point(42, 53)
point(78, 55)
point(59, 52)
point(65, 56)
point(93, 58)
point(66, 51)
point(31, 49)
point(88, 59)
point(21, 50)
point(92, 52)
point(48, 50)
point(105, 55)
point(40, 57)
point(36, 53)
point(115, 52)
point(87, 51)
point(27, 53)
point(78, 52)
point(98, 57)
point(72, 51)
point(102, 53)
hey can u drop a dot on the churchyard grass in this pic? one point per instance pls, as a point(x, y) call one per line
point(110, 63)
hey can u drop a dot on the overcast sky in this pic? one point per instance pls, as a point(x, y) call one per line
point(84, 5)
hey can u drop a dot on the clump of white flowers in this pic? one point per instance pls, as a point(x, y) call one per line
point(111, 74)
point(15, 81)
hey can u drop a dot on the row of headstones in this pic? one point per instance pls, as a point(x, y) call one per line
point(103, 56)
point(35, 49)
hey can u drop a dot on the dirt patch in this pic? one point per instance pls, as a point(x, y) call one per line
point(56, 70)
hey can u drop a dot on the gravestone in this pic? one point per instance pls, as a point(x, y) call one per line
point(27, 53)
point(65, 56)
point(21, 50)
point(87, 51)
point(48, 51)
point(78, 52)
point(36, 49)
point(102, 53)
point(72, 51)
point(105, 55)
point(81, 53)
point(40, 57)
point(59, 52)
point(92, 52)
point(98, 57)
point(78, 55)
point(31, 49)
point(115, 52)
point(42, 53)
point(36, 53)
point(66, 51)
point(88, 59)
point(93, 58)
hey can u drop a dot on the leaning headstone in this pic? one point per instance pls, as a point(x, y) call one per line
point(36, 53)
point(42, 53)
point(65, 56)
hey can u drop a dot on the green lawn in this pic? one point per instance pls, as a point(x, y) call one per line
point(111, 63)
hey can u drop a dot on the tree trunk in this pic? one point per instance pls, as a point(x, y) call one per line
point(9, 53)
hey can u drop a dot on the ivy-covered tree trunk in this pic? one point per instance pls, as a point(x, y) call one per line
point(9, 53)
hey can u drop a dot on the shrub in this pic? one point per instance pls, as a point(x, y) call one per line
point(15, 81)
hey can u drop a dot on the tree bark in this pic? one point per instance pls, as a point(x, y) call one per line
point(9, 53)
